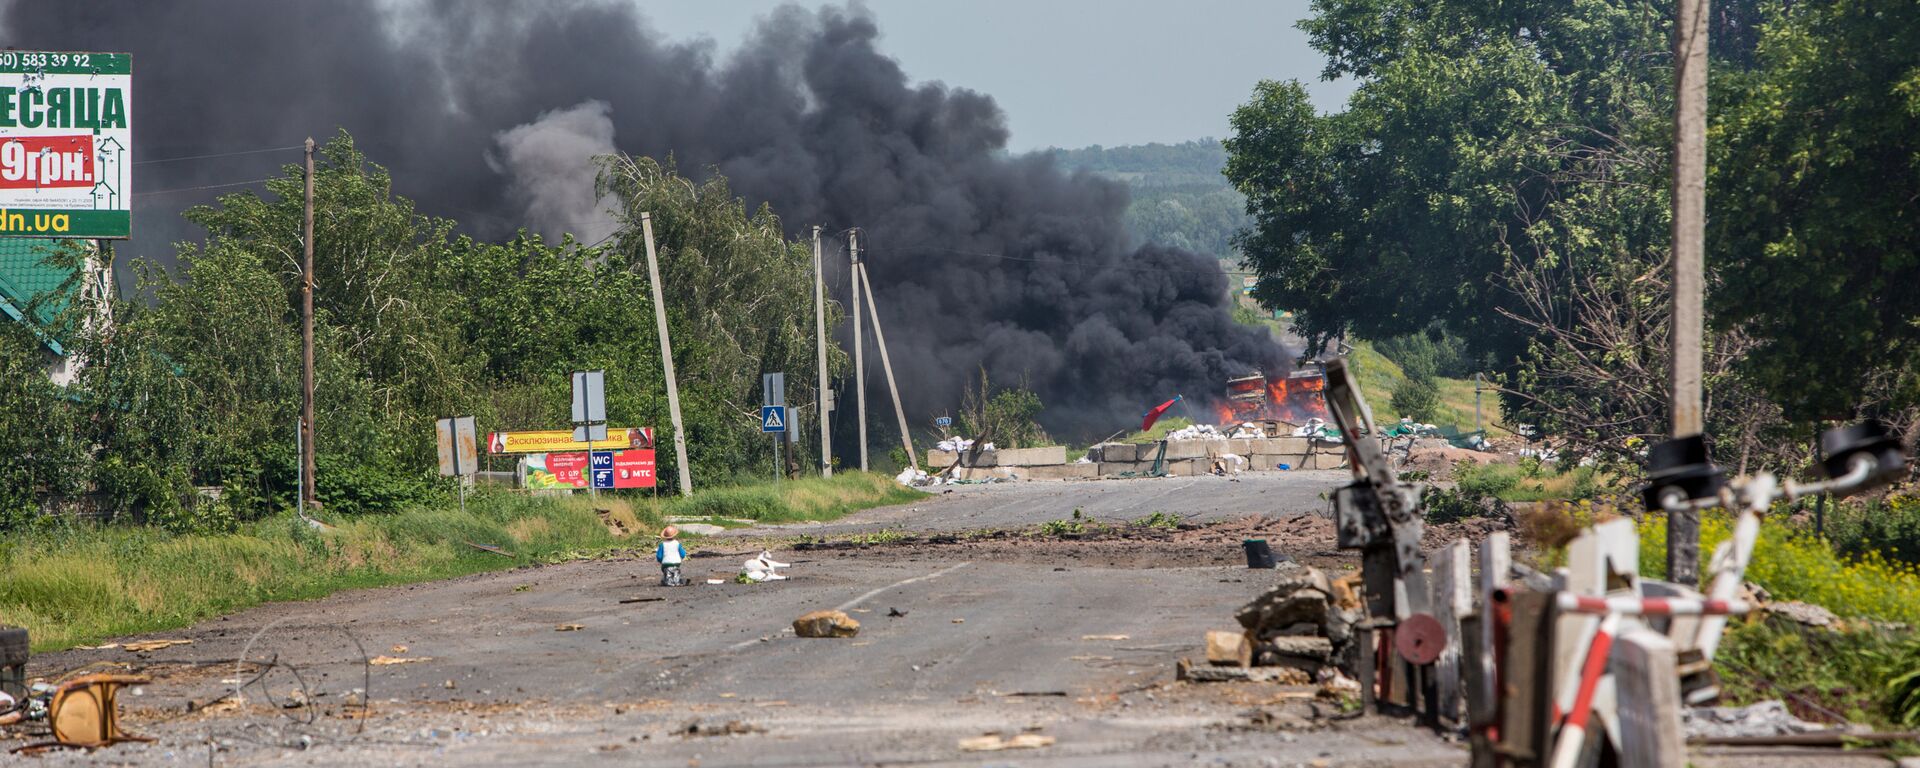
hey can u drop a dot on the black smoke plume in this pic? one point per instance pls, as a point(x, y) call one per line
point(486, 111)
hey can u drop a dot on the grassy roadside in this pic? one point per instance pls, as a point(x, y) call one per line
point(1378, 376)
point(84, 583)
point(1866, 669)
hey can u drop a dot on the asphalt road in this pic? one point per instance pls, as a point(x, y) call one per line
point(1195, 499)
point(998, 636)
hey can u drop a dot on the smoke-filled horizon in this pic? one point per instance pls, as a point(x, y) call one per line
point(490, 113)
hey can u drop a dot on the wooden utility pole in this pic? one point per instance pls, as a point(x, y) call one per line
point(1689, 270)
point(880, 338)
point(820, 344)
point(666, 358)
point(307, 495)
point(859, 356)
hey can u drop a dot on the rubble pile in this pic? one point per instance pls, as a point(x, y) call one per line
point(1196, 432)
point(958, 444)
point(1318, 429)
point(1295, 633)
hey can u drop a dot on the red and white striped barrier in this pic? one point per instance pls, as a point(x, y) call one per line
point(1573, 731)
point(1651, 606)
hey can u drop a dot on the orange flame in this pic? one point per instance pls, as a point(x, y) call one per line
point(1293, 400)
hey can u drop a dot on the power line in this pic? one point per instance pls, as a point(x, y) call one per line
point(207, 186)
point(1063, 262)
point(220, 154)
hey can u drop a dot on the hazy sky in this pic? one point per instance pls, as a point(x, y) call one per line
point(1070, 73)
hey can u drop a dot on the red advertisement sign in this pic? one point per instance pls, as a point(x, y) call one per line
point(28, 162)
point(631, 469)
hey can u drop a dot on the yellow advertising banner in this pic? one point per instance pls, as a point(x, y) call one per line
point(561, 441)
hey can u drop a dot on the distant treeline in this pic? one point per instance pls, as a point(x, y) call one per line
point(1180, 197)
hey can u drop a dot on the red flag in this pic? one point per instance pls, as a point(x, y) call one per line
point(1154, 415)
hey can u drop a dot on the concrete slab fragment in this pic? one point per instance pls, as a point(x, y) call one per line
point(1061, 472)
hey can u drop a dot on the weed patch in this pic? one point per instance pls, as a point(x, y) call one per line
point(80, 583)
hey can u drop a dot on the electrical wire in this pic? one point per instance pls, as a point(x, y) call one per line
point(1060, 262)
point(218, 154)
point(205, 186)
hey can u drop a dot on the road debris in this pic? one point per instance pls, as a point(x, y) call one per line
point(82, 712)
point(615, 527)
point(145, 646)
point(895, 613)
point(729, 728)
point(1186, 670)
point(826, 624)
point(387, 661)
point(1105, 637)
point(764, 568)
point(1765, 718)
point(1229, 649)
point(631, 600)
point(569, 627)
point(994, 742)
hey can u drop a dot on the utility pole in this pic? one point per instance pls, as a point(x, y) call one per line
point(859, 357)
point(1689, 246)
point(880, 338)
point(307, 494)
point(666, 358)
point(820, 344)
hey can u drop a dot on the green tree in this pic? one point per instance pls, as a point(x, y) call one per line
point(739, 303)
point(1008, 417)
point(1814, 221)
point(1500, 174)
point(1416, 397)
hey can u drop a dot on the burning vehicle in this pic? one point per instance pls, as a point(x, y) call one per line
point(1295, 398)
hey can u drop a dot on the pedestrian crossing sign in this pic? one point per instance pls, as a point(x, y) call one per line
point(773, 418)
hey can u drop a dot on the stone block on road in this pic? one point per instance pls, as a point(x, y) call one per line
point(1319, 649)
point(826, 624)
point(1229, 649)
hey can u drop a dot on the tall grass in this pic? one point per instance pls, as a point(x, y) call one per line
point(80, 583)
point(1795, 566)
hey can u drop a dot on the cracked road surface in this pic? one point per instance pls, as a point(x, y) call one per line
point(1000, 634)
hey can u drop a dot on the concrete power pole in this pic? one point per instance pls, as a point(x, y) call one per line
point(820, 344)
point(1689, 246)
point(859, 355)
point(307, 494)
point(880, 339)
point(666, 358)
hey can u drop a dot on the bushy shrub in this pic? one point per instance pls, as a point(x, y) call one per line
point(1416, 398)
point(1890, 527)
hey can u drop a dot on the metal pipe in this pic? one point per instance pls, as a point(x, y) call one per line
point(1858, 470)
point(1650, 606)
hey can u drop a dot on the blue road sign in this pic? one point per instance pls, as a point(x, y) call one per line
point(773, 418)
point(943, 421)
point(601, 462)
